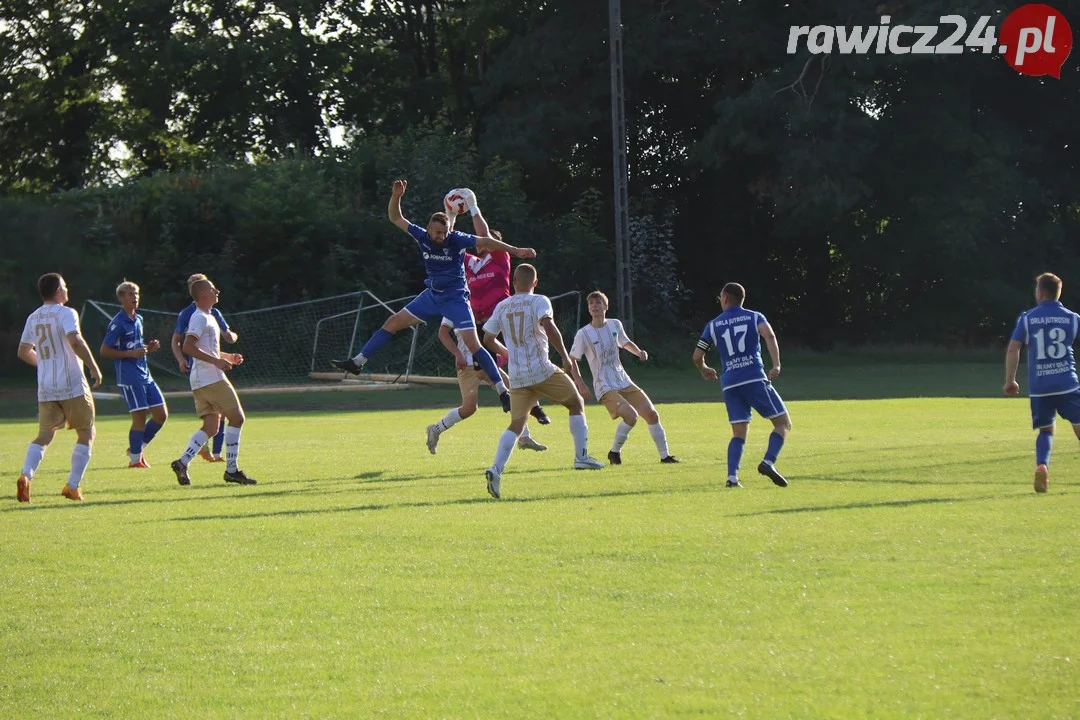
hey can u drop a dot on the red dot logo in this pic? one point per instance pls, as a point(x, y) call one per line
point(1036, 40)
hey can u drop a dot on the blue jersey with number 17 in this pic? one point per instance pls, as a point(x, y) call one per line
point(734, 334)
point(1049, 330)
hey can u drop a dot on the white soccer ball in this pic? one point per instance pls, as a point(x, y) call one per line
point(455, 203)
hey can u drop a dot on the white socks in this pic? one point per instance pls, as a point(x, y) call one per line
point(80, 458)
point(580, 430)
point(502, 452)
point(359, 359)
point(660, 438)
point(194, 446)
point(232, 447)
point(34, 453)
point(622, 433)
point(451, 419)
point(500, 387)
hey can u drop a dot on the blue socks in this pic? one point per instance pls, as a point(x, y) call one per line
point(135, 443)
point(150, 431)
point(487, 364)
point(734, 456)
point(219, 439)
point(376, 342)
point(776, 442)
point(1043, 442)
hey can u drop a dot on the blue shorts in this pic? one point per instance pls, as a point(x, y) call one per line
point(1045, 408)
point(431, 307)
point(760, 396)
point(142, 397)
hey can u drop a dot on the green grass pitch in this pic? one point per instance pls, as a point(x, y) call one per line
point(908, 571)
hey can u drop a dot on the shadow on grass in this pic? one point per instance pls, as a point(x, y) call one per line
point(600, 494)
point(869, 505)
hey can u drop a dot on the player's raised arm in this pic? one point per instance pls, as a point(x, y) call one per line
point(494, 244)
point(766, 331)
point(1012, 362)
point(393, 210)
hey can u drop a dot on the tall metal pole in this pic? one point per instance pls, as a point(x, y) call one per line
point(623, 286)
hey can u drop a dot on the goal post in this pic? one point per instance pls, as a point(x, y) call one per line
point(290, 346)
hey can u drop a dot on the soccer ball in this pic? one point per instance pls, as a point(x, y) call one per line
point(454, 202)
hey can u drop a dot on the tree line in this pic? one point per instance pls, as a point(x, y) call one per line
point(861, 199)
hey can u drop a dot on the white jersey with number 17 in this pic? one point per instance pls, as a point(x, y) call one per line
point(518, 319)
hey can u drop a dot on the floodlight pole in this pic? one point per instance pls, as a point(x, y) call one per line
point(623, 286)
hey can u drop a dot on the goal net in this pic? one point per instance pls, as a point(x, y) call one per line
point(290, 346)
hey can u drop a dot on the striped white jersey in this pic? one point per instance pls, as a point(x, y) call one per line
point(460, 343)
point(59, 370)
point(518, 319)
point(600, 345)
point(208, 339)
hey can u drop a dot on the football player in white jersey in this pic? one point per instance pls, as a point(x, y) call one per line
point(214, 395)
point(53, 343)
point(527, 325)
point(599, 342)
point(470, 376)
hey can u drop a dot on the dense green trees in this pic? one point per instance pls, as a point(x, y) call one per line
point(861, 198)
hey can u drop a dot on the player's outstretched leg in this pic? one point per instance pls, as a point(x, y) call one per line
point(648, 412)
point(423, 305)
point(781, 427)
point(527, 442)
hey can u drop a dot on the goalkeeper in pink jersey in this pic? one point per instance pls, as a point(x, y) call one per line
point(487, 274)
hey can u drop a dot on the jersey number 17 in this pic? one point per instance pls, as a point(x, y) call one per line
point(739, 331)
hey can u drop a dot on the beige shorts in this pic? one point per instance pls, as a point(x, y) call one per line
point(468, 381)
point(216, 399)
point(633, 396)
point(558, 388)
point(76, 413)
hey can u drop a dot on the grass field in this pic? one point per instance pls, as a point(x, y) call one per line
point(909, 570)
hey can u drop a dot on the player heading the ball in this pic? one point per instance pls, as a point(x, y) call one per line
point(445, 293)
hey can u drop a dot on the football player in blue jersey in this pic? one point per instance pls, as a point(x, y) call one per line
point(124, 345)
point(445, 294)
point(1048, 330)
point(228, 335)
point(735, 335)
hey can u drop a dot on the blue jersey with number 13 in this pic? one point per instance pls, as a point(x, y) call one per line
point(734, 334)
point(1049, 330)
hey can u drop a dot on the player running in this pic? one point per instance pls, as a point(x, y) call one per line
point(599, 342)
point(214, 395)
point(123, 344)
point(470, 377)
point(445, 294)
point(1049, 330)
point(228, 335)
point(734, 333)
point(527, 324)
point(52, 342)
